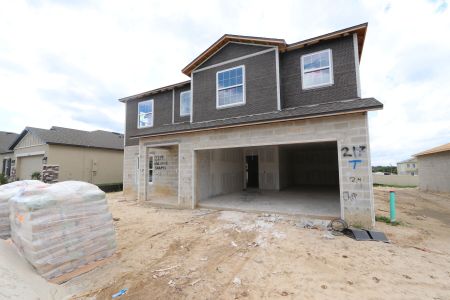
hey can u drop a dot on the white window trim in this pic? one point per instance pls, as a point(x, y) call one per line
point(330, 58)
point(181, 96)
point(153, 114)
point(229, 87)
point(153, 169)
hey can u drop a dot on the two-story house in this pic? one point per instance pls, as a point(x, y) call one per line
point(262, 126)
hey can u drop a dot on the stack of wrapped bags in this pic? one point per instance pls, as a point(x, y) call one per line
point(7, 191)
point(61, 227)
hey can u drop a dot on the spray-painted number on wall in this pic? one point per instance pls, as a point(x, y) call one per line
point(355, 179)
point(350, 196)
point(357, 151)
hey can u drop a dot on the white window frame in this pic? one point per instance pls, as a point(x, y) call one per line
point(139, 116)
point(190, 103)
point(151, 169)
point(229, 87)
point(302, 70)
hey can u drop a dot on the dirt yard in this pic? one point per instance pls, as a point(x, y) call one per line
point(201, 254)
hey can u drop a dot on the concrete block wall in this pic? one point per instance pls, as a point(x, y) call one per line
point(165, 172)
point(130, 171)
point(435, 172)
point(349, 130)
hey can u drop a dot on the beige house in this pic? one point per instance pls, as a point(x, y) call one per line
point(6, 155)
point(408, 167)
point(434, 167)
point(91, 156)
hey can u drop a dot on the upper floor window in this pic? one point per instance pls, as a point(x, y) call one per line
point(317, 69)
point(185, 103)
point(230, 87)
point(145, 114)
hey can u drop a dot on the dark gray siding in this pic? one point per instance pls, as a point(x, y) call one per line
point(162, 107)
point(230, 51)
point(177, 117)
point(344, 86)
point(261, 91)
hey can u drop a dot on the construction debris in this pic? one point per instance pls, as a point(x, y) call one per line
point(61, 227)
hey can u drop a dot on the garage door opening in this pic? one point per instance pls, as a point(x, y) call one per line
point(300, 179)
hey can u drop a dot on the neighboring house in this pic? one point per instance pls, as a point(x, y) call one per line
point(91, 156)
point(6, 155)
point(434, 165)
point(408, 167)
point(261, 125)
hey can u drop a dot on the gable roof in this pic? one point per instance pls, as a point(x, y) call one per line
point(6, 139)
point(73, 137)
point(281, 44)
point(413, 159)
point(438, 149)
point(156, 91)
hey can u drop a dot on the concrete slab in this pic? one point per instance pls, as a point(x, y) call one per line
point(316, 202)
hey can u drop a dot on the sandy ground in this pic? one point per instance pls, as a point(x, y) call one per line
point(18, 280)
point(192, 254)
point(169, 254)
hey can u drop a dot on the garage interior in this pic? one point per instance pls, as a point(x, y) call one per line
point(299, 179)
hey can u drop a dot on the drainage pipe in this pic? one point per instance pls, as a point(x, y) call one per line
point(392, 205)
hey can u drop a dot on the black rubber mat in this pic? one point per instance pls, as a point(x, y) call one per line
point(357, 234)
point(366, 235)
point(378, 236)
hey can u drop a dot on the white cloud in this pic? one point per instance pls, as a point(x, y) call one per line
point(66, 63)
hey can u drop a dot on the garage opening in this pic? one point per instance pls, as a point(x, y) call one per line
point(301, 179)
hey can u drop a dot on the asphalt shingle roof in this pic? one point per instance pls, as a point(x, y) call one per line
point(6, 139)
point(74, 137)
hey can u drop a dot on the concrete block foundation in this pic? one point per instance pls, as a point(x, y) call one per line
point(195, 161)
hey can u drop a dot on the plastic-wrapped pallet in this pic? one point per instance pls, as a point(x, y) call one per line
point(61, 227)
point(7, 191)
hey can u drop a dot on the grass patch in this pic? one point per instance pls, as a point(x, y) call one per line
point(394, 186)
point(387, 220)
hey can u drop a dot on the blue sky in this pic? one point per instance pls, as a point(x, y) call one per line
point(66, 63)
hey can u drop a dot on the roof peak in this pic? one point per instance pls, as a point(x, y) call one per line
point(276, 42)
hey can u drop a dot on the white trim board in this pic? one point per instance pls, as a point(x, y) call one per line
point(234, 60)
point(356, 55)
point(277, 71)
point(30, 154)
point(230, 42)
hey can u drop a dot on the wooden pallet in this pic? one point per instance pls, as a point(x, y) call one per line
point(81, 270)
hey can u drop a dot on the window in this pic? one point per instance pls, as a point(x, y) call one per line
point(150, 169)
point(145, 114)
point(317, 69)
point(185, 103)
point(230, 87)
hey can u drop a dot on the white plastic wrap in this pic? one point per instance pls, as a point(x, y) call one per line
point(7, 191)
point(61, 227)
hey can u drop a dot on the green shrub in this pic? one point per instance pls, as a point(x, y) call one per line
point(36, 175)
point(3, 179)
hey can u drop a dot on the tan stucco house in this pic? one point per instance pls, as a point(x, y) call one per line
point(91, 156)
point(6, 155)
point(408, 167)
point(434, 165)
